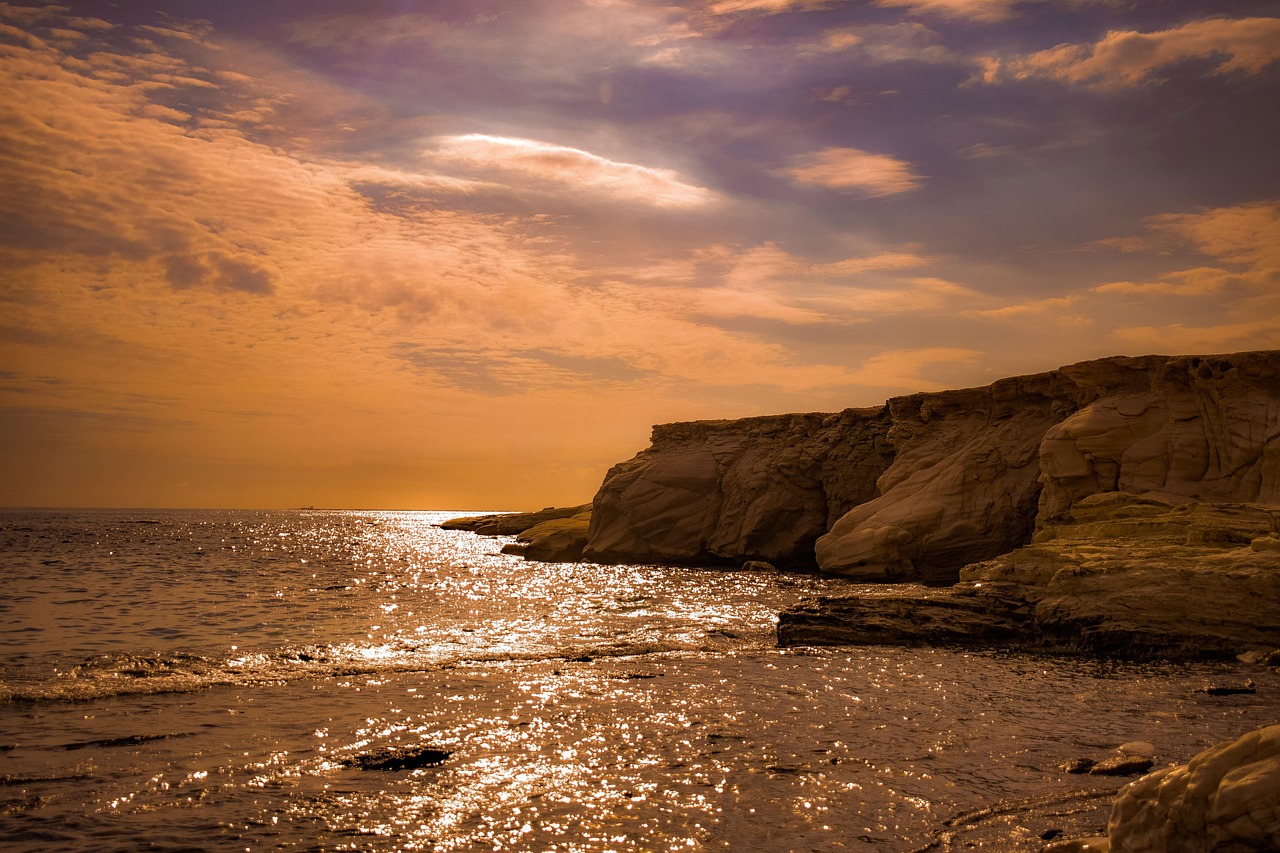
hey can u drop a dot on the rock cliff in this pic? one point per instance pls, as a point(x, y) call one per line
point(729, 491)
point(1125, 506)
point(932, 482)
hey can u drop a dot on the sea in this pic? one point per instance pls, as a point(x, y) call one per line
point(183, 680)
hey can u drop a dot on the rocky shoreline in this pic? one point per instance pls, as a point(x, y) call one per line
point(1124, 506)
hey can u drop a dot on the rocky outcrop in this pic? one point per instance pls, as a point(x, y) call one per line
point(558, 540)
point(975, 470)
point(731, 491)
point(932, 482)
point(1227, 798)
point(511, 523)
point(1128, 576)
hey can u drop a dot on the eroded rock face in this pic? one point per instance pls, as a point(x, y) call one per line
point(730, 491)
point(933, 482)
point(1204, 429)
point(1227, 798)
point(963, 485)
point(975, 470)
point(1128, 576)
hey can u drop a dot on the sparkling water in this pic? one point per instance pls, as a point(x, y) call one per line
point(199, 680)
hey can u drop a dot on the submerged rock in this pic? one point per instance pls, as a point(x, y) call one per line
point(400, 758)
point(1227, 798)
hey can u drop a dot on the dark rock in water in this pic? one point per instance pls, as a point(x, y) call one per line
point(400, 758)
point(915, 616)
point(1273, 659)
point(1079, 765)
point(127, 740)
point(1122, 765)
point(1228, 690)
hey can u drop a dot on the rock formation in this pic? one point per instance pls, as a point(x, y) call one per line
point(730, 491)
point(1129, 577)
point(511, 523)
point(1226, 798)
point(1126, 506)
point(557, 540)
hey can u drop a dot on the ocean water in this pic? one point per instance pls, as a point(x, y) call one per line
point(198, 680)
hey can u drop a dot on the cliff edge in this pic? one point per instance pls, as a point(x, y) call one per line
point(931, 482)
point(1124, 505)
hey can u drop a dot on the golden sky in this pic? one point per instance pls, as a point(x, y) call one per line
point(463, 255)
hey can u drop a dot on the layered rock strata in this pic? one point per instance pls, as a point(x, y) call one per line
point(730, 491)
point(932, 482)
point(1129, 577)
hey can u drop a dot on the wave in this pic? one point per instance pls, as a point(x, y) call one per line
point(105, 676)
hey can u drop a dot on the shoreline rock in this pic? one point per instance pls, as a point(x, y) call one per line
point(1134, 578)
point(550, 535)
point(1127, 506)
point(1226, 798)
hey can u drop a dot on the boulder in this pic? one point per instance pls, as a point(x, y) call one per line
point(1132, 577)
point(726, 492)
point(559, 540)
point(1227, 798)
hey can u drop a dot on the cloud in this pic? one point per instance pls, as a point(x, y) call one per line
point(854, 171)
point(1124, 58)
point(886, 43)
point(1246, 236)
point(1237, 300)
point(1180, 338)
point(768, 283)
point(529, 162)
point(986, 11)
point(770, 7)
point(907, 368)
point(1239, 234)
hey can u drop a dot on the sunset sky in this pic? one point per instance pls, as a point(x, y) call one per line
point(461, 254)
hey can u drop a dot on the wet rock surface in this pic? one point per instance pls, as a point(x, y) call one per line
point(1133, 577)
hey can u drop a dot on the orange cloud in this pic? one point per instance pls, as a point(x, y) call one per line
point(1127, 58)
point(908, 370)
point(854, 170)
point(977, 10)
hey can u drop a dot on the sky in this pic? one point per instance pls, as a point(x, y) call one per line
point(462, 254)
